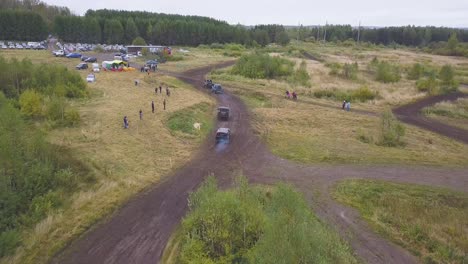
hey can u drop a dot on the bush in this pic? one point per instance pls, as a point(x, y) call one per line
point(350, 71)
point(392, 130)
point(72, 117)
point(446, 75)
point(387, 73)
point(263, 66)
point(249, 225)
point(361, 94)
point(429, 85)
point(416, 72)
point(31, 103)
point(56, 109)
point(31, 172)
point(347, 71)
point(301, 76)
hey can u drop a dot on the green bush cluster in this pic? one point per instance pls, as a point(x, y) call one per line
point(385, 72)
point(361, 94)
point(42, 91)
point(437, 82)
point(251, 225)
point(392, 130)
point(263, 66)
point(347, 70)
point(32, 172)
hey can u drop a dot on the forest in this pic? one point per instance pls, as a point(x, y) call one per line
point(33, 20)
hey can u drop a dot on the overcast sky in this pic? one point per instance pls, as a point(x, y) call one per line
point(452, 13)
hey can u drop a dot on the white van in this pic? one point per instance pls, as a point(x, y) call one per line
point(96, 67)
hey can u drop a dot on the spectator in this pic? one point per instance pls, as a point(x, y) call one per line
point(141, 115)
point(152, 106)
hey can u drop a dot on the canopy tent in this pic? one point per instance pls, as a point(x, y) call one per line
point(116, 65)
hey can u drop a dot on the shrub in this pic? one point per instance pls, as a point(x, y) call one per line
point(301, 76)
point(350, 71)
point(415, 72)
point(387, 72)
point(334, 68)
point(31, 103)
point(56, 109)
point(392, 130)
point(216, 46)
point(429, 85)
point(263, 66)
point(446, 75)
point(363, 94)
point(72, 117)
point(249, 225)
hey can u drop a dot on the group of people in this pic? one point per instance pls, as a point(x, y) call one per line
point(168, 93)
point(346, 105)
point(149, 68)
point(293, 95)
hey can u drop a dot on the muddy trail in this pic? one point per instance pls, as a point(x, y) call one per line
point(139, 231)
point(411, 114)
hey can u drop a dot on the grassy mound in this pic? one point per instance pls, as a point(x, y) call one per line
point(182, 120)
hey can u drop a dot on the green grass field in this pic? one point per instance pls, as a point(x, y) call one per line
point(430, 222)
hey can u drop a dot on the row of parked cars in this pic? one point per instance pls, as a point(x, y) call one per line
point(23, 45)
point(82, 47)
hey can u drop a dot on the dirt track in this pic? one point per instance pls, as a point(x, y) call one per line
point(139, 231)
point(411, 114)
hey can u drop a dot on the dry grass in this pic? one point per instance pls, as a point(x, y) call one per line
point(394, 94)
point(430, 222)
point(312, 130)
point(124, 161)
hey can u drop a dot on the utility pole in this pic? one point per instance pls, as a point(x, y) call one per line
point(359, 32)
point(318, 33)
point(325, 34)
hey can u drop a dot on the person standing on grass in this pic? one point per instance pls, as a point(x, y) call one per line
point(348, 106)
point(167, 91)
point(152, 106)
point(344, 105)
point(156, 90)
point(164, 104)
point(141, 115)
point(125, 122)
point(160, 89)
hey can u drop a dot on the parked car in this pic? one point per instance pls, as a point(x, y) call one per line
point(96, 67)
point(58, 53)
point(223, 113)
point(82, 66)
point(83, 57)
point(91, 77)
point(91, 59)
point(73, 55)
point(223, 135)
point(217, 89)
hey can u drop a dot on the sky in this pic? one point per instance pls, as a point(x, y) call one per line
point(451, 13)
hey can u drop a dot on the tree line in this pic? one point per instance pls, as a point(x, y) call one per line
point(110, 26)
point(407, 35)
